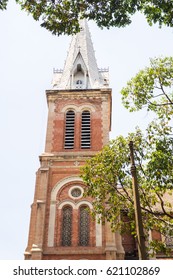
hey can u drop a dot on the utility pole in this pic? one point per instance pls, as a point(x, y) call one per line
point(138, 216)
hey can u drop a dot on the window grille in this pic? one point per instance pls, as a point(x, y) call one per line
point(69, 130)
point(76, 192)
point(84, 226)
point(66, 226)
point(86, 130)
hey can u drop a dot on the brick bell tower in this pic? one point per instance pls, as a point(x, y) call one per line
point(79, 121)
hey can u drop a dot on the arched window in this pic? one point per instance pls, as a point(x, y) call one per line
point(69, 130)
point(66, 226)
point(83, 226)
point(86, 130)
point(79, 82)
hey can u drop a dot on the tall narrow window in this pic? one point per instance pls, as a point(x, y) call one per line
point(83, 226)
point(86, 130)
point(66, 226)
point(69, 130)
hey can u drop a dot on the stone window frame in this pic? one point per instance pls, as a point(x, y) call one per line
point(76, 186)
point(78, 109)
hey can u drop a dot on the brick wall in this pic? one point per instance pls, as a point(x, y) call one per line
point(96, 101)
point(58, 163)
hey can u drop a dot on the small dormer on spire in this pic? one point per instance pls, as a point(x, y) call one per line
point(80, 69)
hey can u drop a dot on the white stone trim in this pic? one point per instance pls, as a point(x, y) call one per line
point(87, 107)
point(69, 107)
point(61, 183)
point(84, 202)
point(98, 232)
point(78, 109)
point(75, 187)
point(51, 228)
point(75, 205)
point(67, 203)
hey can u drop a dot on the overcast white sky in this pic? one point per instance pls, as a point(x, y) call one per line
point(27, 57)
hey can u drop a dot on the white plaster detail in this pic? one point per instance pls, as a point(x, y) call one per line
point(84, 202)
point(62, 183)
point(35, 248)
point(70, 107)
point(27, 253)
point(87, 107)
point(80, 69)
point(66, 203)
point(75, 205)
point(98, 232)
point(75, 187)
point(40, 201)
point(51, 225)
point(78, 108)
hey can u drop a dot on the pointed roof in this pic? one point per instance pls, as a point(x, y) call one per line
point(81, 57)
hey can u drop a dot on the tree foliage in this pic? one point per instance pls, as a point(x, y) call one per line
point(153, 88)
point(108, 175)
point(3, 4)
point(109, 182)
point(62, 16)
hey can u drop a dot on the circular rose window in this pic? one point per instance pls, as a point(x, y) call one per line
point(76, 192)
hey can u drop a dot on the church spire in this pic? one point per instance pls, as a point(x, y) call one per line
point(80, 69)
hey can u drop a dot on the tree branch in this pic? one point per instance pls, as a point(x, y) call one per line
point(171, 102)
point(162, 206)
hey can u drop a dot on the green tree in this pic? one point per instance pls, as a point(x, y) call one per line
point(152, 87)
point(62, 16)
point(108, 176)
point(3, 4)
point(109, 182)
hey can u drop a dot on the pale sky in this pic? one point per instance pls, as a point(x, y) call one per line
point(27, 58)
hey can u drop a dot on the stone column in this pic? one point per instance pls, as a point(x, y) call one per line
point(110, 248)
point(51, 118)
point(120, 249)
point(40, 215)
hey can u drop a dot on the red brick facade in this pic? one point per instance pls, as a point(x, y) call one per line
point(59, 174)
